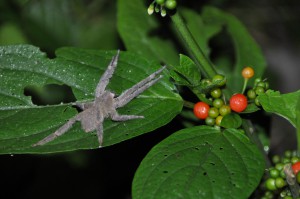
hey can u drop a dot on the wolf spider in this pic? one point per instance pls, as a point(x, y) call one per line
point(105, 105)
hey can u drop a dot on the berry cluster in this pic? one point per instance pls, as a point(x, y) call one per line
point(276, 178)
point(161, 6)
point(260, 86)
point(238, 102)
point(213, 114)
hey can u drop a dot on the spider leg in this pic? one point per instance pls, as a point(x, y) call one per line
point(107, 75)
point(100, 134)
point(120, 118)
point(57, 133)
point(138, 88)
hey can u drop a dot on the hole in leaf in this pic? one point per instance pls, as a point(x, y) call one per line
point(49, 94)
point(221, 148)
point(213, 181)
point(222, 50)
point(196, 148)
point(212, 163)
point(204, 173)
point(165, 171)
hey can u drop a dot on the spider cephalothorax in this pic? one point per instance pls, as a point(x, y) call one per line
point(105, 105)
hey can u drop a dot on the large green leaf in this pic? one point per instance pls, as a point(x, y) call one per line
point(23, 123)
point(200, 162)
point(298, 122)
point(202, 32)
point(68, 23)
point(284, 105)
point(141, 32)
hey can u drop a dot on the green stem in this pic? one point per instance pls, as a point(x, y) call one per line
point(245, 85)
point(191, 45)
point(188, 104)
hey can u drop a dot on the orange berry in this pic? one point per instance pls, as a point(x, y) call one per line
point(247, 72)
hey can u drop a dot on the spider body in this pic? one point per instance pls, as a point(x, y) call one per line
point(105, 105)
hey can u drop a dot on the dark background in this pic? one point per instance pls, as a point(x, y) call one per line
point(108, 173)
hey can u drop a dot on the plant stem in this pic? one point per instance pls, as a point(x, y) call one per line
point(245, 85)
point(191, 45)
point(188, 104)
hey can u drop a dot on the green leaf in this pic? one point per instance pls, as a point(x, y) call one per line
point(201, 31)
point(247, 52)
point(23, 123)
point(200, 162)
point(140, 33)
point(187, 73)
point(231, 120)
point(283, 105)
point(298, 123)
point(56, 23)
point(251, 108)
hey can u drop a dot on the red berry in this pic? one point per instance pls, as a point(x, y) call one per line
point(296, 167)
point(238, 102)
point(201, 110)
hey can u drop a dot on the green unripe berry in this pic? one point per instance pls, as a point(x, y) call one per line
point(270, 184)
point(280, 182)
point(286, 160)
point(251, 94)
point(256, 81)
point(218, 103)
point(269, 194)
point(259, 90)
point(224, 110)
point(279, 166)
point(282, 174)
point(163, 12)
point(288, 154)
point(210, 121)
point(216, 93)
point(219, 78)
point(205, 82)
point(213, 112)
point(298, 177)
point(261, 84)
point(219, 120)
point(160, 2)
point(294, 160)
point(256, 101)
point(151, 9)
point(274, 173)
point(171, 4)
point(276, 159)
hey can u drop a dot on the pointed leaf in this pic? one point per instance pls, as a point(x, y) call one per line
point(247, 52)
point(140, 33)
point(23, 123)
point(283, 105)
point(187, 73)
point(231, 120)
point(200, 162)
